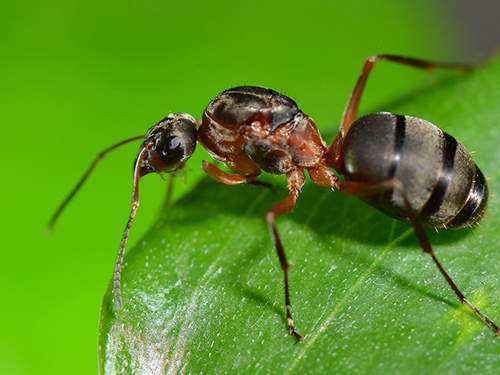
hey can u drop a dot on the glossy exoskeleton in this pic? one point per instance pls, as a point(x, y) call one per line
point(404, 166)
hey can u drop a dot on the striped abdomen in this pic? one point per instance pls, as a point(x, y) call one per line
point(441, 181)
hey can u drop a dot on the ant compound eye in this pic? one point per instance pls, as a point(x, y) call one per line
point(171, 146)
point(174, 141)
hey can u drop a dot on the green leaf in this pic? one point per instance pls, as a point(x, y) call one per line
point(203, 291)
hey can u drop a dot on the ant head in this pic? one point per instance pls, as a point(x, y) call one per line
point(169, 143)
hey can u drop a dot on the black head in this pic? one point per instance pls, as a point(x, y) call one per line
point(169, 143)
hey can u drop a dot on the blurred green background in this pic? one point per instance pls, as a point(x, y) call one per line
point(79, 76)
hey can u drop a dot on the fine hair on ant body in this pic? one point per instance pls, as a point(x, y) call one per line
point(404, 166)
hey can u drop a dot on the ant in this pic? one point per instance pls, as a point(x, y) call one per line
point(403, 166)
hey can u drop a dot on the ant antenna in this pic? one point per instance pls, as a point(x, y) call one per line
point(135, 205)
point(83, 179)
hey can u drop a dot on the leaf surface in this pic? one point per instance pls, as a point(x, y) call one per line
point(203, 290)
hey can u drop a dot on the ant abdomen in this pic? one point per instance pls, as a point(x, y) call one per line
point(441, 181)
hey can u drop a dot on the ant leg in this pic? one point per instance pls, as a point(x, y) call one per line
point(296, 180)
point(323, 176)
point(350, 113)
point(365, 189)
point(170, 189)
point(228, 178)
point(351, 110)
point(264, 184)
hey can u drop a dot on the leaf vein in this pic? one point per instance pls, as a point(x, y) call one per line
point(343, 301)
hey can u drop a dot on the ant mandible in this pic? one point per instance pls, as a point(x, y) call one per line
point(404, 166)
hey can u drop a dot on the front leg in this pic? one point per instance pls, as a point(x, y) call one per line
point(228, 178)
point(295, 180)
